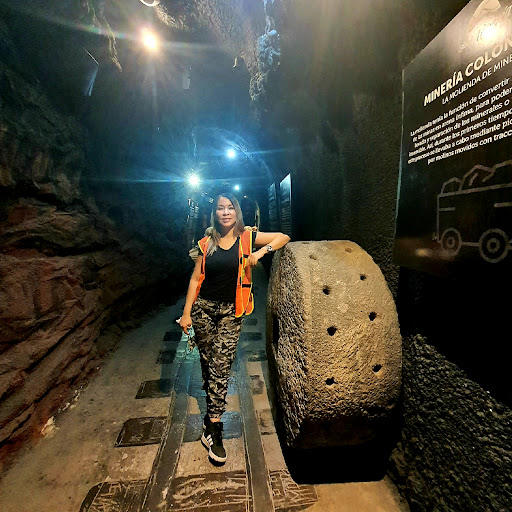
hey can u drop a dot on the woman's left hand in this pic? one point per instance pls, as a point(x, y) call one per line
point(253, 258)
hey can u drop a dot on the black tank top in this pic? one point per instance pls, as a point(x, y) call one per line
point(221, 273)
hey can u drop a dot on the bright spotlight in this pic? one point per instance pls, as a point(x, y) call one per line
point(237, 187)
point(231, 153)
point(193, 180)
point(149, 40)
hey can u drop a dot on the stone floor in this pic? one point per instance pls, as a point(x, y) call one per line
point(129, 441)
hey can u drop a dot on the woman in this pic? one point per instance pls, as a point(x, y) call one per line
point(218, 297)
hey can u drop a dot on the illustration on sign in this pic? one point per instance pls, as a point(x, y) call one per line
point(456, 204)
point(487, 17)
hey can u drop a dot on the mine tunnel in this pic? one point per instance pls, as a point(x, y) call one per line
point(372, 374)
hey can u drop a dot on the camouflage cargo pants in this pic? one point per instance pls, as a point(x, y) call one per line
point(217, 332)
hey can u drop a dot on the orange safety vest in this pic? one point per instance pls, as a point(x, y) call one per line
point(244, 301)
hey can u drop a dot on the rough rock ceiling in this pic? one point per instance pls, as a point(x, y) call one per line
point(141, 113)
point(264, 73)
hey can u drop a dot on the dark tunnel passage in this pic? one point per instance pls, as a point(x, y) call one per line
point(121, 121)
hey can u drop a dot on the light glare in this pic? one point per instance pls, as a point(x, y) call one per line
point(237, 187)
point(231, 153)
point(194, 180)
point(489, 33)
point(149, 40)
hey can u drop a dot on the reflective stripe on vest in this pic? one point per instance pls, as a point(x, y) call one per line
point(244, 300)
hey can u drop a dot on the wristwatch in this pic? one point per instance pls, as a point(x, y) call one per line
point(269, 249)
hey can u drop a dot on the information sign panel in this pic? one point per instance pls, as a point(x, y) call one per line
point(455, 192)
point(285, 189)
point(273, 208)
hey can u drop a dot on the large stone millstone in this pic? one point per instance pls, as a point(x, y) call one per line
point(334, 344)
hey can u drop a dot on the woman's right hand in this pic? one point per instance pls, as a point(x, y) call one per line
point(185, 323)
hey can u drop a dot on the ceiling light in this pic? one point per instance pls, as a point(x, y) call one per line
point(150, 40)
point(194, 180)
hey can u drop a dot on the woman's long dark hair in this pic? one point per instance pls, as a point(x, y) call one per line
point(214, 230)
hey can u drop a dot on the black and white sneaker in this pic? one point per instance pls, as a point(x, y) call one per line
point(212, 440)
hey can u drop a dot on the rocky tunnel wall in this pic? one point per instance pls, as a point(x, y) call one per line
point(70, 265)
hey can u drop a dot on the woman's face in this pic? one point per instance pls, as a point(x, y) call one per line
point(226, 215)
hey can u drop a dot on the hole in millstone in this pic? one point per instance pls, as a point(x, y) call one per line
point(313, 256)
point(330, 381)
point(332, 330)
point(362, 277)
point(373, 316)
point(348, 249)
point(377, 368)
point(326, 290)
